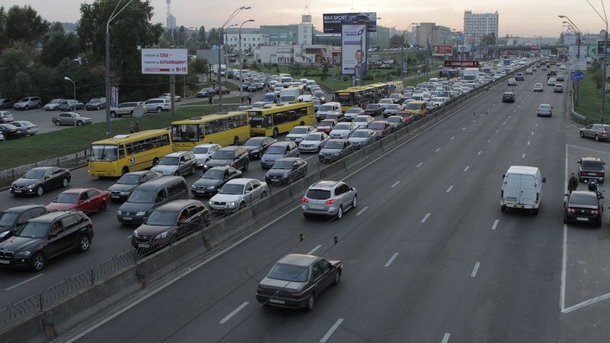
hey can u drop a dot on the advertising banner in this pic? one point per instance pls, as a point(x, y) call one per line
point(165, 61)
point(333, 21)
point(353, 51)
point(462, 64)
point(442, 50)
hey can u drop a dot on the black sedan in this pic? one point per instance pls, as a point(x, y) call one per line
point(257, 146)
point(373, 109)
point(583, 207)
point(41, 179)
point(122, 189)
point(11, 131)
point(296, 280)
point(213, 179)
point(285, 170)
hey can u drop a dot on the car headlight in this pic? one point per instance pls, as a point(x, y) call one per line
point(118, 212)
point(31, 185)
point(210, 187)
point(162, 235)
point(285, 175)
point(23, 254)
point(135, 233)
point(231, 203)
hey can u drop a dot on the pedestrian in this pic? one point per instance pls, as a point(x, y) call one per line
point(210, 98)
point(572, 183)
point(249, 99)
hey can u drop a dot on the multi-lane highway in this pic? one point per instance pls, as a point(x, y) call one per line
point(428, 255)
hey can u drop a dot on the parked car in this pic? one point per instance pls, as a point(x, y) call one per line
point(122, 189)
point(313, 142)
point(170, 222)
point(28, 103)
point(278, 150)
point(591, 169)
point(157, 105)
point(256, 146)
point(329, 198)
point(6, 103)
point(41, 179)
point(28, 128)
point(168, 96)
point(86, 200)
point(335, 149)
point(125, 109)
point(213, 179)
point(222, 90)
point(238, 193)
point(10, 131)
point(177, 163)
point(362, 137)
point(70, 105)
point(96, 104)
point(235, 156)
point(596, 131)
point(544, 110)
point(6, 117)
point(296, 280)
point(53, 105)
point(205, 92)
point(286, 170)
point(71, 118)
point(12, 219)
point(583, 207)
point(298, 132)
point(46, 237)
point(203, 152)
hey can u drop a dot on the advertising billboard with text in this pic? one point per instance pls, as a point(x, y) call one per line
point(334, 21)
point(442, 50)
point(353, 51)
point(165, 61)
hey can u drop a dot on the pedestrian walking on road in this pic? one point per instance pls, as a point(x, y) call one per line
point(210, 98)
point(249, 99)
point(572, 183)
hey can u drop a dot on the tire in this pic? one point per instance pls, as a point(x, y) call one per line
point(155, 161)
point(102, 207)
point(112, 114)
point(242, 205)
point(56, 122)
point(355, 201)
point(275, 132)
point(582, 134)
point(84, 242)
point(38, 262)
point(263, 195)
point(125, 170)
point(596, 138)
point(337, 279)
point(311, 302)
point(245, 168)
point(503, 208)
point(39, 191)
point(340, 212)
point(159, 109)
point(79, 123)
point(65, 182)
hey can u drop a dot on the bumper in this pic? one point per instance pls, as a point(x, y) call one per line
point(282, 302)
point(130, 220)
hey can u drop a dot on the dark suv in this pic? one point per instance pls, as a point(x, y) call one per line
point(591, 169)
point(45, 237)
point(12, 219)
point(508, 97)
point(235, 156)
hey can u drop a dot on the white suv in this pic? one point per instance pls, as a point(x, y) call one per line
point(157, 105)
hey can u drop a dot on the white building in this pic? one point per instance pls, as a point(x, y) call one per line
point(477, 25)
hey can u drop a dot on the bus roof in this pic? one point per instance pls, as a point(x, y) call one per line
point(270, 108)
point(123, 138)
point(206, 118)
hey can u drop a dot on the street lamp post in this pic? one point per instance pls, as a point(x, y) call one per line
point(240, 58)
point(113, 16)
point(73, 87)
point(575, 29)
point(235, 12)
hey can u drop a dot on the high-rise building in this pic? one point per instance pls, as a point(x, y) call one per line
point(477, 25)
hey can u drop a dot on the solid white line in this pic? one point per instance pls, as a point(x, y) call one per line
point(362, 210)
point(495, 224)
point(234, 312)
point(314, 249)
point(395, 184)
point(437, 150)
point(466, 169)
point(449, 189)
point(446, 337)
point(419, 164)
point(24, 282)
point(387, 264)
point(331, 330)
point(425, 218)
point(475, 269)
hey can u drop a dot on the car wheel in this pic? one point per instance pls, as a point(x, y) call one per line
point(39, 191)
point(596, 138)
point(102, 207)
point(340, 212)
point(38, 262)
point(159, 109)
point(56, 122)
point(242, 205)
point(193, 170)
point(155, 161)
point(311, 302)
point(275, 132)
point(337, 279)
point(84, 243)
point(79, 123)
point(177, 173)
point(263, 195)
point(245, 168)
point(503, 208)
point(113, 114)
point(65, 182)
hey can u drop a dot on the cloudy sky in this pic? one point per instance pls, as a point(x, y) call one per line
point(531, 18)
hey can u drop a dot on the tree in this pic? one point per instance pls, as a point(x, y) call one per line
point(489, 39)
point(23, 24)
point(56, 46)
point(397, 41)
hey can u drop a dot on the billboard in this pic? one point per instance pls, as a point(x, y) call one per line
point(164, 61)
point(334, 21)
point(353, 51)
point(442, 50)
point(462, 64)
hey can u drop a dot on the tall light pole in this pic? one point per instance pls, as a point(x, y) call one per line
point(235, 12)
point(109, 99)
point(240, 58)
point(575, 29)
point(73, 87)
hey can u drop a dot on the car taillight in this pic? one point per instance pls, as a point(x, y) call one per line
point(304, 200)
point(330, 202)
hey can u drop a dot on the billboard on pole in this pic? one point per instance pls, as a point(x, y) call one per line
point(165, 61)
point(353, 51)
point(334, 21)
point(442, 50)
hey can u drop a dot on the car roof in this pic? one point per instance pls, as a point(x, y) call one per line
point(240, 181)
point(178, 153)
point(22, 208)
point(77, 190)
point(50, 216)
point(325, 184)
point(299, 259)
point(179, 204)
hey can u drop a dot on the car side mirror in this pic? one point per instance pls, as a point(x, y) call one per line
point(52, 234)
point(544, 179)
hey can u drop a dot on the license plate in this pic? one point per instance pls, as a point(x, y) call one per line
point(317, 206)
point(5, 262)
point(144, 246)
point(592, 174)
point(114, 196)
point(17, 190)
point(277, 301)
point(126, 218)
point(580, 219)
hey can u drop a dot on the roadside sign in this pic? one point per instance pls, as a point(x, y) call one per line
point(577, 75)
point(462, 64)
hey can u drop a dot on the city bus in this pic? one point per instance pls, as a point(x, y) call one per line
point(272, 120)
point(395, 87)
point(113, 157)
point(220, 128)
point(361, 95)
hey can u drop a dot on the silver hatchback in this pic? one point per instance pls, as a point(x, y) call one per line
point(329, 198)
point(596, 131)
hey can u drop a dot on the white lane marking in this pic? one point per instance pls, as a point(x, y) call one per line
point(425, 218)
point(466, 169)
point(449, 189)
point(437, 150)
point(314, 249)
point(475, 269)
point(489, 140)
point(479, 153)
point(523, 156)
point(463, 129)
point(495, 224)
point(532, 133)
point(528, 142)
point(362, 210)
point(234, 312)
point(419, 164)
point(24, 282)
point(129, 237)
point(331, 330)
point(395, 184)
point(452, 138)
point(387, 264)
point(446, 337)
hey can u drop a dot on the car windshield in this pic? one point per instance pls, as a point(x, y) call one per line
point(201, 150)
point(34, 230)
point(162, 218)
point(342, 127)
point(66, 198)
point(141, 196)
point(361, 119)
point(8, 218)
point(360, 133)
point(353, 110)
point(393, 119)
point(282, 164)
point(299, 130)
point(223, 155)
point(372, 106)
point(288, 272)
point(393, 107)
point(592, 165)
point(169, 161)
point(234, 189)
point(276, 149)
point(214, 174)
point(129, 179)
point(376, 126)
point(325, 123)
point(35, 174)
point(413, 106)
point(254, 142)
point(583, 200)
point(312, 137)
point(325, 108)
point(333, 145)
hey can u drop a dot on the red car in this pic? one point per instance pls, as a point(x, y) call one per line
point(87, 200)
point(326, 125)
point(381, 127)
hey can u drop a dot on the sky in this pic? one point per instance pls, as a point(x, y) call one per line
point(528, 18)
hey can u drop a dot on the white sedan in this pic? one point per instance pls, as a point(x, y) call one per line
point(237, 194)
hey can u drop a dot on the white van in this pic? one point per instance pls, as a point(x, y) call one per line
point(328, 108)
point(522, 188)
